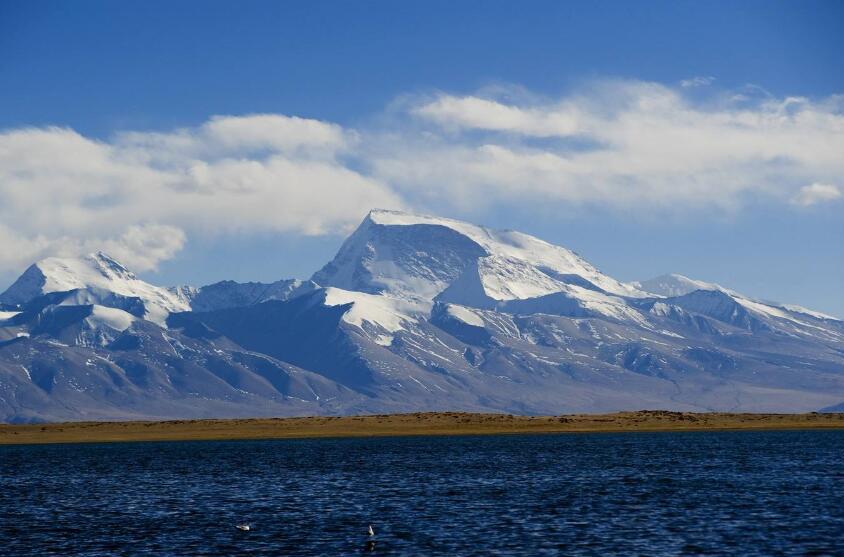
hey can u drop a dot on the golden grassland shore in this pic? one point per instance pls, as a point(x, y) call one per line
point(429, 423)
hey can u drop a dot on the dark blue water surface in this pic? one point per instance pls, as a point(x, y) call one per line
point(740, 493)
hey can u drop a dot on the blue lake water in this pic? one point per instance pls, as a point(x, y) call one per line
point(732, 493)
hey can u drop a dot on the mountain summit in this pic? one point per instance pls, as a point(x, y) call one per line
point(414, 313)
point(92, 276)
point(420, 256)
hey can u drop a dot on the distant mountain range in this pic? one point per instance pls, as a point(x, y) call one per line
point(414, 313)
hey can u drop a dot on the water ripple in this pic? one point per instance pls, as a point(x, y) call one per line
point(740, 493)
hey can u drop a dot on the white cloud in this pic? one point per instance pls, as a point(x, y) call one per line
point(473, 112)
point(274, 131)
point(139, 195)
point(697, 81)
point(234, 136)
point(142, 247)
point(618, 143)
point(816, 193)
point(637, 146)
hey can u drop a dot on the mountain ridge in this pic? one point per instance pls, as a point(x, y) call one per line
point(414, 313)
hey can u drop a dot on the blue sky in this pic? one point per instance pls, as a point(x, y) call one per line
point(514, 115)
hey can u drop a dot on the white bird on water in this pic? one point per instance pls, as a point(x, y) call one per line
point(243, 527)
point(371, 531)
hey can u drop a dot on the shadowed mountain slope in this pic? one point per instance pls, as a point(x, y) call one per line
point(415, 313)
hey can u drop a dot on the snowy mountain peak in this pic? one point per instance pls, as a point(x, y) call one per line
point(60, 274)
point(97, 273)
point(673, 284)
point(419, 256)
point(109, 266)
point(229, 294)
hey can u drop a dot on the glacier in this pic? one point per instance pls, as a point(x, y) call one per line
point(414, 313)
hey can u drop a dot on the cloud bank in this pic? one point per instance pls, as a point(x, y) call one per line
point(623, 144)
point(140, 195)
point(816, 193)
point(618, 144)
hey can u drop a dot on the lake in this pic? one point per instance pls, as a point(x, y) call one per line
point(724, 493)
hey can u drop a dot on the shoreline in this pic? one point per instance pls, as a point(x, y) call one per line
point(398, 425)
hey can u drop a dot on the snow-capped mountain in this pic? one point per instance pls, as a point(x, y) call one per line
point(228, 293)
point(673, 284)
point(419, 256)
point(714, 299)
point(87, 279)
point(414, 313)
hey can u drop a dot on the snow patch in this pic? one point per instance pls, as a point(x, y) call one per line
point(672, 285)
point(112, 318)
point(809, 312)
point(609, 306)
point(465, 315)
point(504, 278)
point(388, 313)
point(4, 315)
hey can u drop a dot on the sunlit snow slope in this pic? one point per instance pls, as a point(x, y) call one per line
point(414, 313)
